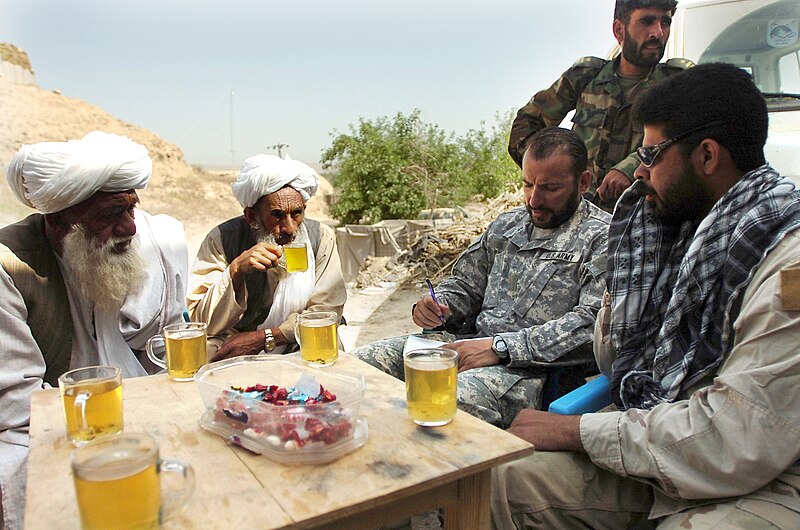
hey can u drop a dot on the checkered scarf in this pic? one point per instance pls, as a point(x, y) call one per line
point(675, 290)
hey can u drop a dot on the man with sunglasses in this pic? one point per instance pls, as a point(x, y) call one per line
point(699, 334)
point(601, 94)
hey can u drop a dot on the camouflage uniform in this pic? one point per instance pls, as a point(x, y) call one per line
point(602, 113)
point(539, 289)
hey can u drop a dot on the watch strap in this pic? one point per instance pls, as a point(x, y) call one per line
point(269, 340)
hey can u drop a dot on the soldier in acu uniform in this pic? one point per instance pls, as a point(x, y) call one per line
point(601, 93)
point(526, 292)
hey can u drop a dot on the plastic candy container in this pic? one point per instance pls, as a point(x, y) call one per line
point(283, 409)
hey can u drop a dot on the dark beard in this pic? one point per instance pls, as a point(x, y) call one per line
point(559, 218)
point(687, 200)
point(632, 52)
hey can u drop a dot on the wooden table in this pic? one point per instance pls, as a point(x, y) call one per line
point(401, 471)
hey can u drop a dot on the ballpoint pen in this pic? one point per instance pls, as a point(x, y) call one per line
point(433, 295)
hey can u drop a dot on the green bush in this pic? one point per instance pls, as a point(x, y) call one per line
point(391, 169)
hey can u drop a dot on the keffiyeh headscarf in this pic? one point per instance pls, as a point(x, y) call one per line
point(52, 176)
point(675, 290)
point(265, 174)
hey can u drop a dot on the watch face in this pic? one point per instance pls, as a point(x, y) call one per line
point(499, 345)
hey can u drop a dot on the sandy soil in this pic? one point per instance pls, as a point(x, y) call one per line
point(392, 317)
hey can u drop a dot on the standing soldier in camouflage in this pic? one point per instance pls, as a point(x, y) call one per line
point(527, 291)
point(601, 94)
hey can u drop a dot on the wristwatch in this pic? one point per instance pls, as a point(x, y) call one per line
point(269, 340)
point(500, 348)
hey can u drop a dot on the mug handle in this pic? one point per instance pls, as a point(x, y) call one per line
point(151, 355)
point(175, 496)
point(80, 410)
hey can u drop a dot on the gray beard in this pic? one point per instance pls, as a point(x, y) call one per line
point(105, 277)
point(261, 235)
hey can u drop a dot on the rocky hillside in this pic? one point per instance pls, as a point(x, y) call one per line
point(200, 199)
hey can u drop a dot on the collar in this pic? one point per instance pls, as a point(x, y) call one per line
point(558, 238)
point(607, 76)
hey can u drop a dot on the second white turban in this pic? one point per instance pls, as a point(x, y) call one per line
point(265, 174)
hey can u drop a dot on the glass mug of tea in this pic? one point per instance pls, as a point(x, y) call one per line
point(118, 483)
point(185, 345)
point(296, 255)
point(315, 332)
point(431, 376)
point(92, 402)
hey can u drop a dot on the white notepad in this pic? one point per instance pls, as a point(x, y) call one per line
point(417, 343)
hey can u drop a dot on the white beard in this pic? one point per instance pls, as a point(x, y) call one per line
point(105, 277)
point(261, 235)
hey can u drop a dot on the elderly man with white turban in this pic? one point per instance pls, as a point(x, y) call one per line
point(237, 284)
point(85, 282)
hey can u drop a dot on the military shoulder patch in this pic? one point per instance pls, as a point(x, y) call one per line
point(590, 62)
point(790, 289)
point(678, 62)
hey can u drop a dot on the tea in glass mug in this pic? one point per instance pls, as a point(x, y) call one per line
point(185, 345)
point(92, 402)
point(118, 485)
point(431, 376)
point(296, 256)
point(315, 332)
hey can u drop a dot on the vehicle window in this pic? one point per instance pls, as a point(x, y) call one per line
point(789, 71)
point(765, 43)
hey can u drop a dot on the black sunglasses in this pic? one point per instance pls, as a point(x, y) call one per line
point(648, 153)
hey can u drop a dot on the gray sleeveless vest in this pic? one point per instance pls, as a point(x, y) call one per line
point(28, 259)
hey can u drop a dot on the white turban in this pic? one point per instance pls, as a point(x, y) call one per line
point(265, 174)
point(52, 176)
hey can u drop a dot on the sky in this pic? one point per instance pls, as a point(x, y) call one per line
point(244, 75)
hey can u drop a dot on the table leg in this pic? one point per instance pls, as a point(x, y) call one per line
point(471, 511)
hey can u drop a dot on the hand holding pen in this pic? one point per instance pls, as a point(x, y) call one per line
point(429, 313)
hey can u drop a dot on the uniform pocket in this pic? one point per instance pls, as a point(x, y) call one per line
point(528, 295)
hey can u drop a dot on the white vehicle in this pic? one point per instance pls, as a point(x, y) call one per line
point(761, 37)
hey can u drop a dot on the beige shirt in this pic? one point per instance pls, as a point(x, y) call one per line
point(211, 297)
point(735, 434)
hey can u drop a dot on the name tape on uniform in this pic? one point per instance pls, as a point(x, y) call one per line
point(562, 256)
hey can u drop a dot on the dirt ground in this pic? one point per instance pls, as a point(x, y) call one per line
point(391, 318)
